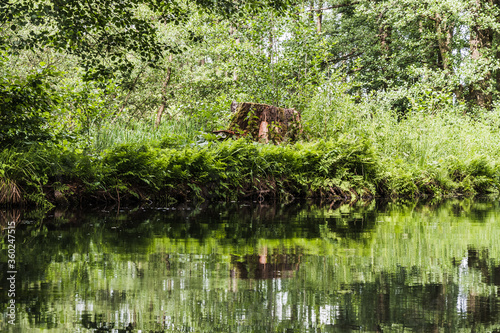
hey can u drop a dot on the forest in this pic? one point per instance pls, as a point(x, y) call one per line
point(111, 101)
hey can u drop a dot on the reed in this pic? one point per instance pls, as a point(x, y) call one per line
point(140, 132)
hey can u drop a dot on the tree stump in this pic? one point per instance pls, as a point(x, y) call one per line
point(264, 122)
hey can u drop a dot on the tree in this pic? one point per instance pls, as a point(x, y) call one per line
point(484, 43)
point(451, 46)
point(107, 35)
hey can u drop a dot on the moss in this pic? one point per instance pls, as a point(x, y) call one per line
point(282, 123)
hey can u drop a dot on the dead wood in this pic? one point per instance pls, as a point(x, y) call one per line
point(264, 122)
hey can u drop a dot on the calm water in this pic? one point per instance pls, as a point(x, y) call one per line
point(251, 268)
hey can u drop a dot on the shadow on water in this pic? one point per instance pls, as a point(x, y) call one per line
point(304, 267)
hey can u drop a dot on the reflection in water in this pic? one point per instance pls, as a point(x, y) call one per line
point(462, 289)
point(264, 266)
point(244, 268)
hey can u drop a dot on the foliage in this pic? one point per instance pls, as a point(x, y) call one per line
point(447, 45)
point(87, 107)
point(26, 106)
point(393, 97)
point(206, 170)
point(105, 33)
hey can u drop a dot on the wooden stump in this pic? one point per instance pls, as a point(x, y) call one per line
point(264, 122)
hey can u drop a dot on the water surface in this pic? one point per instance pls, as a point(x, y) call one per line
point(257, 268)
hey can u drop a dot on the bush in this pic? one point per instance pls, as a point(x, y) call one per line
point(26, 106)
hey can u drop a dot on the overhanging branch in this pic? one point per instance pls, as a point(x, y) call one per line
point(333, 7)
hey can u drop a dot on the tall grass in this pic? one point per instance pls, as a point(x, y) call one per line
point(141, 132)
point(428, 140)
point(419, 152)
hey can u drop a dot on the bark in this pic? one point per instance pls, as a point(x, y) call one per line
point(496, 74)
point(480, 37)
point(384, 35)
point(234, 106)
point(263, 131)
point(444, 37)
point(264, 122)
point(495, 44)
point(319, 20)
point(480, 43)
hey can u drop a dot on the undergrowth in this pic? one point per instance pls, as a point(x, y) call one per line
point(421, 152)
point(349, 150)
point(213, 170)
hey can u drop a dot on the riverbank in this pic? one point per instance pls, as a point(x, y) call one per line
point(345, 169)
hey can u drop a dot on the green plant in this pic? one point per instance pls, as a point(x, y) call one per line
point(27, 104)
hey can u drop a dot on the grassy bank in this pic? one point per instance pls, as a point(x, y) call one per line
point(377, 155)
point(77, 122)
point(349, 150)
point(227, 170)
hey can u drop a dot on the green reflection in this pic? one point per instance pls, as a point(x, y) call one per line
point(244, 268)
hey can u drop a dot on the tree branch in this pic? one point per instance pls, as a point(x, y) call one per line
point(353, 54)
point(117, 114)
point(333, 7)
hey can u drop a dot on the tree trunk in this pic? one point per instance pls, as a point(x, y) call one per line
point(319, 20)
point(384, 35)
point(480, 42)
point(496, 73)
point(495, 45)
point(163, 104)
point(444, 37)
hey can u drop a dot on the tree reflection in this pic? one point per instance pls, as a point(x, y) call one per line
point(261, 269)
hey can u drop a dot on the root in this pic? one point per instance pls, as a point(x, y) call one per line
point(10, 192)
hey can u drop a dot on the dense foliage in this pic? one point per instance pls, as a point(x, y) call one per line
point(99, 84)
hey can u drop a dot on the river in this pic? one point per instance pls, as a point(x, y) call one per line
point(245, 267)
